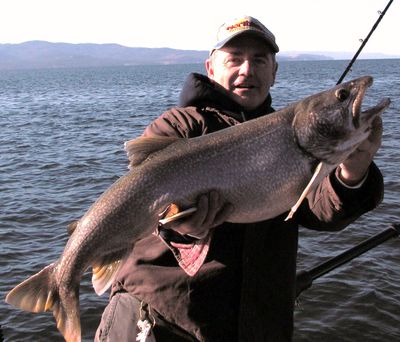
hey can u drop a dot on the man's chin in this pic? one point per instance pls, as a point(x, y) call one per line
point(247, 100)
point(248, 104)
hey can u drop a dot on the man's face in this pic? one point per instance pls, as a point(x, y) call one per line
point(246, 68)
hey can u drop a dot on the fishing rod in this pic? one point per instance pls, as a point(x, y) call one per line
point(364, 41)
point(305, 278)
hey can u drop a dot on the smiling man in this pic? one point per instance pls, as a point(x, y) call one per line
point(200, 278)
point(246, 68)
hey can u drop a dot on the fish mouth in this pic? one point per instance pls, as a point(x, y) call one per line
point(362, 89)
point(370, 113)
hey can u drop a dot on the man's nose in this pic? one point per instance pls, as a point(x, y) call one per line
point(246, 68)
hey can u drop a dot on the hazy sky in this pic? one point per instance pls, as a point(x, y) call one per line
point(299, 25)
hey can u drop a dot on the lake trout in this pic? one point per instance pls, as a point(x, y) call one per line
point(264, 167)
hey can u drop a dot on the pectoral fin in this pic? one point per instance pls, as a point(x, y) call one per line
point(319, 173)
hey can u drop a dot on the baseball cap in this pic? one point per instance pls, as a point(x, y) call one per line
point(245, 24)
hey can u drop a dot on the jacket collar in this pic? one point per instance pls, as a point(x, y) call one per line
point(200, 91)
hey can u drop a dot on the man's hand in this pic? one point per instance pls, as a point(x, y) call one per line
point(355, 167)
point(211, 212)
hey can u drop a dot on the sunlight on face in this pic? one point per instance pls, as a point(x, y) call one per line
point(246, 68)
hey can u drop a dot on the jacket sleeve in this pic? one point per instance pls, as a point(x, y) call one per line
point(176, 122)
point(333, 206)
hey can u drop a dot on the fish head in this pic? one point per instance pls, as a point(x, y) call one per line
point(330, 125)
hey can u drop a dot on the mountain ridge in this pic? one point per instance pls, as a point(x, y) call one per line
point(42, 54)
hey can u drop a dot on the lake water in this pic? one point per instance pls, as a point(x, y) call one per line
point(61, 146)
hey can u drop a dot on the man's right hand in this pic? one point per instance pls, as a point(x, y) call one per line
point(211, 212)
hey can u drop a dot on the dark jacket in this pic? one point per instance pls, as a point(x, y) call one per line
point(245, 291)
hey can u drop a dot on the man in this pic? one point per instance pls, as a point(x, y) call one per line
point(200, 279)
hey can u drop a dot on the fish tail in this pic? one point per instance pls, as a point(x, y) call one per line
point(40, 293)
point(35, 294)
point(66, 313)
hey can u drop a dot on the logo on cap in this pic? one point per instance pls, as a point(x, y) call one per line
point(243, 24)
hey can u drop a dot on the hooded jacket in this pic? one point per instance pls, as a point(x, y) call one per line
point(246, 288)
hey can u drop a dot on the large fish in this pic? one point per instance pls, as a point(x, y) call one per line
point(263, 167)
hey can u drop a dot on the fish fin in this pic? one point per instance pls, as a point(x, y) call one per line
point(35, 294)
point(104, 271)
point(173, 215)
point(139, 149)
point(319, 173)
point(171, 210)
point(72, 227)
point(39, 293)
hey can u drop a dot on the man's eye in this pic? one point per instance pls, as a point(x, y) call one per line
point(233, 61)
point(261, 61)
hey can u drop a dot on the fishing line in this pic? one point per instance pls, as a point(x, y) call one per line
point(364, 41)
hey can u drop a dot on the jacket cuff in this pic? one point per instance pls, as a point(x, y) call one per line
point(368, 194)
point(357, 186)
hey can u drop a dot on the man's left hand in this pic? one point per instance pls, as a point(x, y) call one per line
point(355, 167)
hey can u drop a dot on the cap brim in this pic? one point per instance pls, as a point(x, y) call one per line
point(269, 41)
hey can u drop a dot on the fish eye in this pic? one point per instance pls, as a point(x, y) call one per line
point(342, 94)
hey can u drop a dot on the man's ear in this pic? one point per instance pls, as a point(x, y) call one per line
point(209, 67)
point(274, 73)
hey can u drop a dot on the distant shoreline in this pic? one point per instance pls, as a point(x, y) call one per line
point(42, 54)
